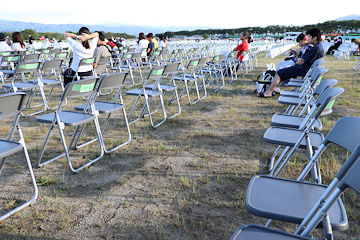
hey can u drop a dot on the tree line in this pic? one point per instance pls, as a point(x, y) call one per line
point(326, 27)
point(59, 36)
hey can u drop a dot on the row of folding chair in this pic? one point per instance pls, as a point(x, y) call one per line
point(309, 204)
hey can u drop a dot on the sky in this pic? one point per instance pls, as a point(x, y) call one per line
point(179, 13)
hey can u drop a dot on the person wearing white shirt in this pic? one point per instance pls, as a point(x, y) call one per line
point(163, 42)
point(18, 42)
point(83, 49)
point(142, 43)
point(4, 47)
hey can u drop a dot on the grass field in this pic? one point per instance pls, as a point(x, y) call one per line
point(185, 180)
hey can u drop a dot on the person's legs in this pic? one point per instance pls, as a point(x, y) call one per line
point(274, 83)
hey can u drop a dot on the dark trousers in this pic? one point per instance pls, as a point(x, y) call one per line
point(69, 75)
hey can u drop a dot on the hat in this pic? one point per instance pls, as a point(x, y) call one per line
point(2, 37)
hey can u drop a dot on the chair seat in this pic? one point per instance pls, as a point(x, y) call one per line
point(102, 107)
point(8, 71)
point(293, 101)
point(148, 92)
point(252, 232)
point(294, 83)
point(9, 147)
point(187, 78)
point(50, 82)
point(288, 137)
point(281, 120)
point(166, 88)
point(290, 200)
point(290, 93)
point(22, 85)
point(69, 118)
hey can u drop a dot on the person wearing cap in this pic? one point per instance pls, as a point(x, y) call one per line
point(4, 47)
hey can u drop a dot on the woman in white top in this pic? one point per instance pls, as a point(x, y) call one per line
point(18, 42)
point(142, 43)
point(163, 42)
point(83, 49)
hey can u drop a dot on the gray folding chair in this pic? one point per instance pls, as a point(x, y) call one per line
point(9, 62)
point(10, 106)
point(215, 73)
point(84, 62)
point(170, 71)
point(191, 79)
point(52, 68)
point(30, 86)
point(107, 81)
point(66, 118)
point(307, 203)
point(154, 77)
point(303, 137)
point(34, 57)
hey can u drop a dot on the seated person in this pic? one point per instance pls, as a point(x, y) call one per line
point(151, 45)
point(302, 65)
point(303, 40)
point(4, 46)
point(334, 47)
point(243, 47)
point(102, 50)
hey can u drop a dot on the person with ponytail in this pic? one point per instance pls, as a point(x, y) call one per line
point(81, 49)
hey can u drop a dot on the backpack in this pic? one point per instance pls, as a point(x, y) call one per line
point(263, 81)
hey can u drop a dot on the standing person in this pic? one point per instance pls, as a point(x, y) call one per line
point(18, 42)
point(151, 44)
point(4, 47)
point(83, 49)
point(243, 47)
point(142, 44)
point(302, 65)
point(101, 51)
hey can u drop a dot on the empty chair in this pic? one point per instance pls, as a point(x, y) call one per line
point(11, 105)
point(303, 137)
point(34, 57)
point(154, 77)
point(65, 118)
point(107, 81)
point(308, 204)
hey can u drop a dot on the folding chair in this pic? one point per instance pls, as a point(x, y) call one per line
point(103, 62)
point(10, 106)
point(107, 81)
point(215, 73)
point(307, 203)
point(65, 118)
point(9, 62)
point(190, 77)
point(154, 77)
point(170, 71)
point(303, 137)
point(84, 62)
point(28, 85)
point(35, 57)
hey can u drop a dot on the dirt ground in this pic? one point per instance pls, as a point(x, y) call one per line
point(186, 179)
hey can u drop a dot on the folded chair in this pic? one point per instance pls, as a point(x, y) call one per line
point(154, 77)
point(170, 71)
point(308, 204)
point(10, 106)
point(303, 137)
point(65, 118)
point(107, 81)
point(29, 85)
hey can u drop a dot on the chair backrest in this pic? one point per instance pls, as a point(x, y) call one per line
point(127, 56)
point(104, 60)
point(52, 64)
point(86, 62)
point(325, 84)
point(61, 55)
point(326, 97)
point(31, 57)
point(11, 58)
point(81, 88)
point(203, 61)
point(155, 74)
point(345, 133)
point(350, 172)
point(27, 67)
point(108, 81)
point(193, 64)
point(11, 104)
point(172, 68)
point(5, 53)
